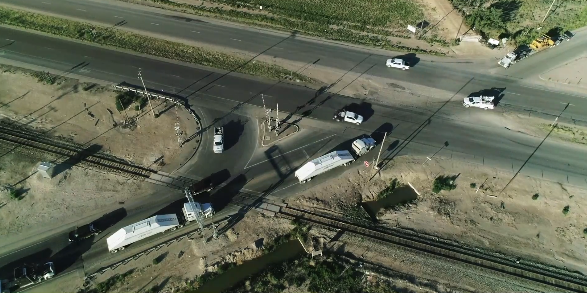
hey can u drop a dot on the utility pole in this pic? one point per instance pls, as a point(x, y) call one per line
point(376, 165)
point(146, 93)
point(277, 120)
point(267, 111)
point(549, 8)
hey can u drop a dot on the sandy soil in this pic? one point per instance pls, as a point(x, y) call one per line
point(573, 73)
point(445, 20)
point(183, 261)
point(511, 222)
point(76, 192)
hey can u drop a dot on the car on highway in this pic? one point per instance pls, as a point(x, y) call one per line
point(348, 116)
point(218, 140)
point(479, 101)
point(397, 63)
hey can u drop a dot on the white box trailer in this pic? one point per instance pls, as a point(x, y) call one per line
point(323, 164)
point(141, 230)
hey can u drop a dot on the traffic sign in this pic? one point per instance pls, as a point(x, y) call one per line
point(366, 164)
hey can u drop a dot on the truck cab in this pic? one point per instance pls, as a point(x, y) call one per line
point(363, 145)
point(218, 140)
point(348, 116)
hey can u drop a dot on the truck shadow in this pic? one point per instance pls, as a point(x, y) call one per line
point(379, 133)
point(71, 255)
point(225, 195)
point(278, 161)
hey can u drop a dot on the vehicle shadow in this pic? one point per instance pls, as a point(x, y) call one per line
point(7, 270)
point(410, 58)
point(232, 133)
point(379, 133)
point(71, 254)
point(110, 219)
point(364, 109)
point(224, 195)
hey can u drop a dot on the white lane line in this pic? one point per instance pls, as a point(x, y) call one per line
point(10, 40)
point(197, 32)
point(81, 10)
point(21, 249)
point(46, 3)
point(154, 23)
point(307, 156)
point(116, 16)
point(236, 40)
point(290, 151)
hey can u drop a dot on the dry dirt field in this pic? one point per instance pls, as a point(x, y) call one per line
point(512, 222)
point(59, 110)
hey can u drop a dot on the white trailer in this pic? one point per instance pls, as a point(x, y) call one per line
point(141, 230)
point(363, 145)
point(323, 164)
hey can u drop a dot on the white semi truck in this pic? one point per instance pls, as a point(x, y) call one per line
point(334, 159)
point(157, 224)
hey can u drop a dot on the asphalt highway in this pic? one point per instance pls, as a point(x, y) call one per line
point(448, 75)
point(472, 134)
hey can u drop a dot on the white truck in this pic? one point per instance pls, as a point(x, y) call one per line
point(363, 145)
point(157, 224)
point(481, 101)
point(397, 63)
point(218, 140)
point(348, 116)
point(508, 60)
point(323, 164)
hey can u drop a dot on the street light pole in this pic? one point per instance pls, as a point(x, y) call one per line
point(376, 166)
point(146, 93)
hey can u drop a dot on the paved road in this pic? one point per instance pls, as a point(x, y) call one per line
point(470, 133)
point(429, 71)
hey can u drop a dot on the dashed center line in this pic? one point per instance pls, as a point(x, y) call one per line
point(46, 3)
point(154, 23)
point(81, 10)
point(236, 40)
point(195, 32)
point(116, 16)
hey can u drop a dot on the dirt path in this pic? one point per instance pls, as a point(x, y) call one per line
point(86, 116)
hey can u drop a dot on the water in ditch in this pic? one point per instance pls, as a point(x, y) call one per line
point(400, 195)
point(240, 273)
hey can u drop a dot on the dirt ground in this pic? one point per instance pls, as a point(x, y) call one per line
point(573, 73)
point(511, 222)
point(60, 111)
point(181, 262)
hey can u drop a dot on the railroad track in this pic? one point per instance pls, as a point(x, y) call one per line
point(75, 154)
point(555, 277)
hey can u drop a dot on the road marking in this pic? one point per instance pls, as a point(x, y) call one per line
point(21, 249)
point(10, 40)
point(290, 151)
point(46, 3)
point(118, 16)
point(195, 32)
point(511, 93)
point(307, 156)
point(48, 48)
point(154, 23)
point(81, 10)
point(236, 40)
point(256, 144)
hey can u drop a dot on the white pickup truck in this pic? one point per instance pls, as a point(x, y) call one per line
point(397, 63)
point(483, 102)
point(218, 140)
point(348, 116)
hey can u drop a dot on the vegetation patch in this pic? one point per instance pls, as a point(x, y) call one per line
point(368, 23)
point(142, 44)
point(389, 189)
point(110, 283)
point(300, 231)
point(312, 275)
point(125, 99)
point(567, 133)
point(443, 182)
point(521, 20)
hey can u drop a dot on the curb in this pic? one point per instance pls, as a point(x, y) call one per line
point(263, 141)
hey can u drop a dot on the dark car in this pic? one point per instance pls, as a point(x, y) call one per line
point(202, 186)
point(83, 232)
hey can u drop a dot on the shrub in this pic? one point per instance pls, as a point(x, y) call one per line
point(137, 108)
point(388, 190)
point(473, 185)
point(444, 183)
point(585, 231)
point(535, 196)
point(566, 210)
point(155, 261)
point(15, 194)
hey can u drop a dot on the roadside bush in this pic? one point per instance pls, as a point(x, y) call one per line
point(444, 183)
point(155, 261)
point(566, 210)
point(585, 231)
point(46, 77)
point(473, 185)
point(15, 194)
point(535, 196)
point(389, 189)
point(142, 44)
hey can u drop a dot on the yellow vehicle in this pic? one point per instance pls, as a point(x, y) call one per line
point(541, 43)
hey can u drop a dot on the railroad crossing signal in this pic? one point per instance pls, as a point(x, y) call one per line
point(366, 164)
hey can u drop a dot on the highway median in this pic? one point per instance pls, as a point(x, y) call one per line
point(113, 37)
